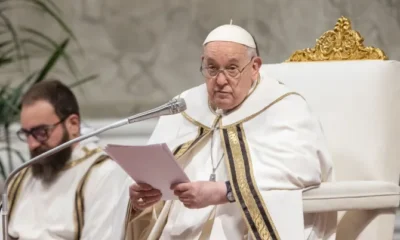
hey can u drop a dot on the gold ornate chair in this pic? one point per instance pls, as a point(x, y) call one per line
point(355, 92)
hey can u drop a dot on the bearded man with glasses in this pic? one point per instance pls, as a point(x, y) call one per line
point(249, 145)
point(73, 194)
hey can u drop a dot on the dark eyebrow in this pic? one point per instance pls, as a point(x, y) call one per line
point(41, 126)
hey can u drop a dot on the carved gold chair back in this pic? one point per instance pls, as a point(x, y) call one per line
point(341, 43)
point(345, 44)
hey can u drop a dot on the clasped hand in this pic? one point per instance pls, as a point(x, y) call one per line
point(192, 195)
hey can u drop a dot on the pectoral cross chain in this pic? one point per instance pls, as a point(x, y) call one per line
point(212, 177)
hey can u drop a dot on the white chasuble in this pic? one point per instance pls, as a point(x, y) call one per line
point(271, 147)
point(79, 205)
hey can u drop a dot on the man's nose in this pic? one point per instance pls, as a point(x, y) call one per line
point(32, 142)
point(221, 79)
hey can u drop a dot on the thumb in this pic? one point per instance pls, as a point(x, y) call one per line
point(180, 187)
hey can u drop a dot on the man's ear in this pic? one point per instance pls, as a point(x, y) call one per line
point(256, 67)
point(73, 124)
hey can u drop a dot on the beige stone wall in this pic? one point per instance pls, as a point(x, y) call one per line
point(148, 51)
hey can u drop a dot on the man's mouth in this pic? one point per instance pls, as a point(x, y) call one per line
point(222, 92)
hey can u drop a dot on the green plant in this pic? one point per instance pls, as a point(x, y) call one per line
point(15, 40)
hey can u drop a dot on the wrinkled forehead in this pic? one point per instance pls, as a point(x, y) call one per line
point(223, 52)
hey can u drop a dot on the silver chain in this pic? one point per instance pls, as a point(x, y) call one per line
point(212, 176)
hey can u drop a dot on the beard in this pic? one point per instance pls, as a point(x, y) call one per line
point(48, 168)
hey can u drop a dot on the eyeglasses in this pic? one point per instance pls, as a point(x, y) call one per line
point(233, 72)
point(40, 133)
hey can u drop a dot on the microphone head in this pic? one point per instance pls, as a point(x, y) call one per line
point(177, 105)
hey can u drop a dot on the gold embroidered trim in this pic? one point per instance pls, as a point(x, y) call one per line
point(79, 198)
point(262, 110)
point(181, 149)
point(14, 191)
point(88, 154)
point(244, 187)
point(15, 186)
point(178, 152)
point(190, 119)
point(128, 216)
point(184, 148)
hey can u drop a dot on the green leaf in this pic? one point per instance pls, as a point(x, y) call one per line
point(12, 103)
point(68, 60)
point(23, 85)
point(5, 61)
point(10, 53)
point(38, 34)
point(27, 80)
point(51, 61)
point(4, 89)
point(84, 80)
point(56, 8)
point(4, 31)
point(5, 43)
point(11, 109)
point(14, 34)
point(56, 17)
point(2, 169)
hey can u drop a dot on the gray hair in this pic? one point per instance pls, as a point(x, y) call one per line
point(251, 52)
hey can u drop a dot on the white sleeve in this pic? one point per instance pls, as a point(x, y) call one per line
point(166, 129)
point(292, 148)
point(289, 156)
point(106, 200)
point(121, 210)
point(1, 226)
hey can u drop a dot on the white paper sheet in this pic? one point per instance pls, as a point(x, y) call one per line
point(152, 164)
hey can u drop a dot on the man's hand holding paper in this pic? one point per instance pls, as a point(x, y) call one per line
point(201, 194)
point(153, 168)
point(143, 195)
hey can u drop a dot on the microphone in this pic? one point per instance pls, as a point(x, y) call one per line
point(172, 107)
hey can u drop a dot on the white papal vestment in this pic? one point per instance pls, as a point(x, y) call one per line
point(272, 149)
point(80, 205)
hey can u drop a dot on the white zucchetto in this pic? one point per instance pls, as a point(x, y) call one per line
point(231, 33)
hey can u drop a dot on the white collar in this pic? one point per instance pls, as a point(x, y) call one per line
point(267, 91)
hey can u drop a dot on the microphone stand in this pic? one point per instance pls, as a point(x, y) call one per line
point(172, 107)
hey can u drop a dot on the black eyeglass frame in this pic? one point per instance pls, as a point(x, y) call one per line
point(224, 71)
point(47, 130)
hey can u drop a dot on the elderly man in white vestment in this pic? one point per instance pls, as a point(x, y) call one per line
point(249, 145)
point(73, 194)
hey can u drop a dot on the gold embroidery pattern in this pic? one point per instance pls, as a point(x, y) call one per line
point(128, 216)
point(14, 191)
point(178, 153)
point(245, 189)
point(79, 198)
point(262, 110)
point(341, 43)
point(184, 148)
point(190, 119)
point(15, 186)
point(88, 154)
point(181, 149)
